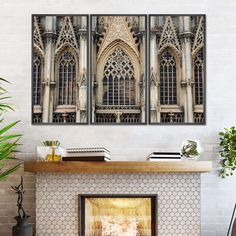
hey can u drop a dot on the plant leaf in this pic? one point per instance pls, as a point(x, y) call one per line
point(4, 174)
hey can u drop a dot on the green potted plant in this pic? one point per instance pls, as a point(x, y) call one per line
point(8, 142)
point(228, 151)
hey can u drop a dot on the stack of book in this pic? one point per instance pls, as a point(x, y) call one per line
point(86, 154)
point(164, 156)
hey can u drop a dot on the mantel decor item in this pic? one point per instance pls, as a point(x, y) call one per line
point(22, 228)
point(191, 149)
point(49, 151)
point(228, 151)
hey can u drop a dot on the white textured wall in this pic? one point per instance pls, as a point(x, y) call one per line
point(133, 142)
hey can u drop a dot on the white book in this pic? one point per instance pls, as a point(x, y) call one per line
point(88, 154)
point(94, 151)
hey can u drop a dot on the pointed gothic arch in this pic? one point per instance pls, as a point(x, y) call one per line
point(118, 79)
point(66, 77)
point(198, 73)
point(169, 70)
point(37, 78)
point(168, 78)
point(130, 55)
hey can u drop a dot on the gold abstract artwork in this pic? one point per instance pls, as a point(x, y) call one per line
point(118, 216)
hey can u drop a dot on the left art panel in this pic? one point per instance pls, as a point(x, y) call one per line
point(59, 69)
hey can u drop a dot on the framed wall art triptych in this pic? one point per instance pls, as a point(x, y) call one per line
point(118, 69)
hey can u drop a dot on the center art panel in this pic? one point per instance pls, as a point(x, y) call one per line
point(118, 69)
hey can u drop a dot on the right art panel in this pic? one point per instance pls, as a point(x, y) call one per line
point(177, 69)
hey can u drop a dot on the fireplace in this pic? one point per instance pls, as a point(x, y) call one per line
point(57, 202)
point(118, 215)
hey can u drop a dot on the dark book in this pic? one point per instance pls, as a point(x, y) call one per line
point(166, 153)
point(163, 155)
point(86, 158)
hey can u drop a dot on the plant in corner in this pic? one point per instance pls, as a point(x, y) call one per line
point(228, 151)
point(8, 142)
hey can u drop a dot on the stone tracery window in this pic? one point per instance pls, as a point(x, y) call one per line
point(118, 80)
point(37, 68)
point(199, 78)
point(67, 79)
point(168, 89)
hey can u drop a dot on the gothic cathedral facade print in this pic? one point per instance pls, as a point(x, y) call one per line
point(177, 69)
point(59, 69)
point(118, 69)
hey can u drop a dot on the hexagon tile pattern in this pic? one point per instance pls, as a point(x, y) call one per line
point(178, 200)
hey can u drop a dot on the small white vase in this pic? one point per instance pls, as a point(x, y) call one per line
point(42, 152)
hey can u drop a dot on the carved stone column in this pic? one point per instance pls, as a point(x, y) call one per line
point(143, 79)
point(154, 78)
point(81, 113)
point(49, 35)
point(94, 68)
point(186, 83)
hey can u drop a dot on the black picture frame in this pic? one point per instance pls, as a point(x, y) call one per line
point(145, 74)
point(87, 65)
point(205, 73)
point(154, 208)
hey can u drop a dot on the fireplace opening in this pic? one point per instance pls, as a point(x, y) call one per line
point(118, 215)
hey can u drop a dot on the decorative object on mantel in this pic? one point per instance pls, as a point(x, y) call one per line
point(191, 149)
point(86, 154)
point(228, 151)
point(8, 142)
point(22, 228)
point(164, 156)
point(232, 225)
point(50, 151)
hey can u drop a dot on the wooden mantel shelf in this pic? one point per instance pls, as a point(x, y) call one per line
point(118, 167)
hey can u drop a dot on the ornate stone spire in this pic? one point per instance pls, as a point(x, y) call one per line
point(199, 37)
point(118, 30)
point(38, 42)
point(168, 36)
point(67, 35)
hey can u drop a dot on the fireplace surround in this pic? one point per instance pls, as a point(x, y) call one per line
point(57, 199)
point(126, 215)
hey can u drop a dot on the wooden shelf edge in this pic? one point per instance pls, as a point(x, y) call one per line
point(118, 167)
